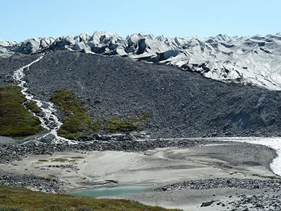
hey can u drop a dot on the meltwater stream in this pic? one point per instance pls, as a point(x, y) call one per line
point(48, 118)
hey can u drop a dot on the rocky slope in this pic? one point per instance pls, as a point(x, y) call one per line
point(247, 60)
point(180, 103)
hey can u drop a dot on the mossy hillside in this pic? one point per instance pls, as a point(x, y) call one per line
point(126, 123)
point(79, 124)
point(117, 124)
point(27, 200)
point(32, 106)
point(15, 119)
point(78, 121)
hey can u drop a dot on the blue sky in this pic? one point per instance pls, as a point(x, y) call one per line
point(23, 19)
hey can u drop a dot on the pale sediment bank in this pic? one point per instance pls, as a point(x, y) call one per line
point(77, 169)
point(160, 166)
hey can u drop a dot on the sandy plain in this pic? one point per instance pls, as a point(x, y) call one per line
point(84, 169)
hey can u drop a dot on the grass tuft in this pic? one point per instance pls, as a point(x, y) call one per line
point(27, 200)
point(60, 160)
point(78, 157)
point(31, 105)
point(116, 124)
point(79, 124)
point(127, 123)
point(15, 120)
point(43, 160)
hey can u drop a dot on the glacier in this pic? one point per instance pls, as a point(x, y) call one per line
point(250, 60)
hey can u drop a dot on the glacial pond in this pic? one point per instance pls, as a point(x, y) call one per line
point(113, 191)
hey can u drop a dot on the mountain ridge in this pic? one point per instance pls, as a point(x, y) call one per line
point(250, 60)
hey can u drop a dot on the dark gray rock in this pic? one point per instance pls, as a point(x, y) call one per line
point(273, 185)
point(12, 63)
point(49, 185)
point(207, 204)
point(267, 199)
point(180, 104)
point(47, 139)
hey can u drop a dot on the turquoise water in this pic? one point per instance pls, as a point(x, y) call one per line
point(113, 191)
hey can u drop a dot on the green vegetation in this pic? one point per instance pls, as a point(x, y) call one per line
point(79, 124)
point(116, 124)
point(268, 177)
point(126, 123)
point(272, 177)
point(78, 157)
point(27, 200)
point(31, 105)
point(43, 160)
point(15, 120)
point(60, 160)
point(144, 117)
